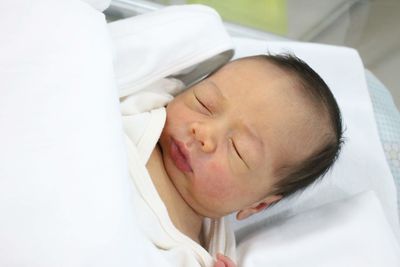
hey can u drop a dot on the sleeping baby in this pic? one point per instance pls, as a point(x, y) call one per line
point(253, 132)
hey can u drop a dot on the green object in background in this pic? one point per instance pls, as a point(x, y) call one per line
point(267, 15)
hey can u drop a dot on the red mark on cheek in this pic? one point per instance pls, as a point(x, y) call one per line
point(216, 182)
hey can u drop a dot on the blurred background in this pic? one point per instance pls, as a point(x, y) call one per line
point(370, 26)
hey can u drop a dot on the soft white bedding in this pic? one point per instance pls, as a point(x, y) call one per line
point(65, 192)
point(349, 232)
point(151, 46)
point(315, 228)
point(362, 165)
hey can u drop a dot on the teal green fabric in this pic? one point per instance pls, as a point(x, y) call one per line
point(388, 121)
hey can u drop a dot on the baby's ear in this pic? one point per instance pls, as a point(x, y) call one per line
point(247, 212)
point(257, 207)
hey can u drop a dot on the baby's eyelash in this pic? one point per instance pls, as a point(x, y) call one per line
point(237, 152)
point(201, 103)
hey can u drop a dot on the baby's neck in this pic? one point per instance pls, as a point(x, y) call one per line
point(182, 215)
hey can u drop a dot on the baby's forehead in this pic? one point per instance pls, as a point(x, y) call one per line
point(250, 64)
point(251, 76)
point(255, 70)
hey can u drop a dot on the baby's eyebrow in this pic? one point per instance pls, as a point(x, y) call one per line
point(218, 90)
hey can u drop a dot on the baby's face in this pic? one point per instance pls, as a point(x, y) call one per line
point(225, 137)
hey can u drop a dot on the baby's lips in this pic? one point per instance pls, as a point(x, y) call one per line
point(180, 156)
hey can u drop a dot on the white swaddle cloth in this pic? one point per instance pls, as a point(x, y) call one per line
point(188, 41)
point(150, 48)
point(143, 121)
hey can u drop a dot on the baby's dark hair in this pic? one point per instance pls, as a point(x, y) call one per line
point(294, 178)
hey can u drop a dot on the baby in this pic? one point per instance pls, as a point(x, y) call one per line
point(253, 132)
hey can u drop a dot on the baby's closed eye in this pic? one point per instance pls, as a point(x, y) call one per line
point(202, 104)
point(237, 152)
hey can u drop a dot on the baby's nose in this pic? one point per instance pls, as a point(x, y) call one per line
point(205, 136)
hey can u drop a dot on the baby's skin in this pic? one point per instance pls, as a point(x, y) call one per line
point(225, 139)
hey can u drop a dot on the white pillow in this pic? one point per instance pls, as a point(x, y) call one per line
point(351, 232)
point(362, 165)
point(65, 191)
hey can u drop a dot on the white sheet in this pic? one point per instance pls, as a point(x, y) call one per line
point(351, 232)
point(362, 165)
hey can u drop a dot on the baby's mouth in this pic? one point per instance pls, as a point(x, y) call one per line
point(180, 156)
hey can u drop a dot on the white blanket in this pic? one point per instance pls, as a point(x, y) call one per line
point(65, 191)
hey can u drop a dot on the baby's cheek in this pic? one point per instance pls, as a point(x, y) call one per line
point(216, 181)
